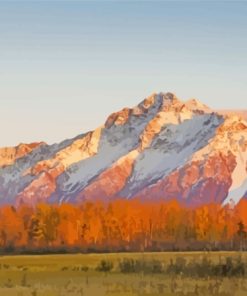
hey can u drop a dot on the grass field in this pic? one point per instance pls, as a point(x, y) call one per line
point(124, 274)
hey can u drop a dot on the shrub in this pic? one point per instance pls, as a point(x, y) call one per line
point(127, 265)
point(104, 266)
point(135, 266)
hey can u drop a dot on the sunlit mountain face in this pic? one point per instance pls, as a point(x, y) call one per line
point(161, 149)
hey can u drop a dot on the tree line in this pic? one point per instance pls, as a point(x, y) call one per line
point(122, 225)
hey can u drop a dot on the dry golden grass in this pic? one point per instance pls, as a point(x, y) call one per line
point(77, 275)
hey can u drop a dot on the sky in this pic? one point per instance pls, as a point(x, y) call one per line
point(66, 65)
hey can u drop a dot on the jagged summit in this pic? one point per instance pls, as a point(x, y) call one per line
point(163, 148)
point(166, 101)
point(158, 100)
point(155, 103)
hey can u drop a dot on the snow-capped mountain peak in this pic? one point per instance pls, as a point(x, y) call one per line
point(163, 148)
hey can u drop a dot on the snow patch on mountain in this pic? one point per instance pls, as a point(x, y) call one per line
point(239, 179)
point(236, 194)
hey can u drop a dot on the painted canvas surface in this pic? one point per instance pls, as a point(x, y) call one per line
point(123, 159)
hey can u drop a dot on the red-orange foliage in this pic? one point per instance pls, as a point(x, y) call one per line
point(122, 225)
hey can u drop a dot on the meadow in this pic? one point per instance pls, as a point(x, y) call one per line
point(125, 274)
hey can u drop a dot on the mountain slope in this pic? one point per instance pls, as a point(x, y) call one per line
point(161, 149)
point(240, 113)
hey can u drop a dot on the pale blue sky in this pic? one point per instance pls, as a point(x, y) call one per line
point(65, 66)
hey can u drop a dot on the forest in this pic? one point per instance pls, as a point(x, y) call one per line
point(122, 225)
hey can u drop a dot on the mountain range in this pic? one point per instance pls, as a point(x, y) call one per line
point(161, 149)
